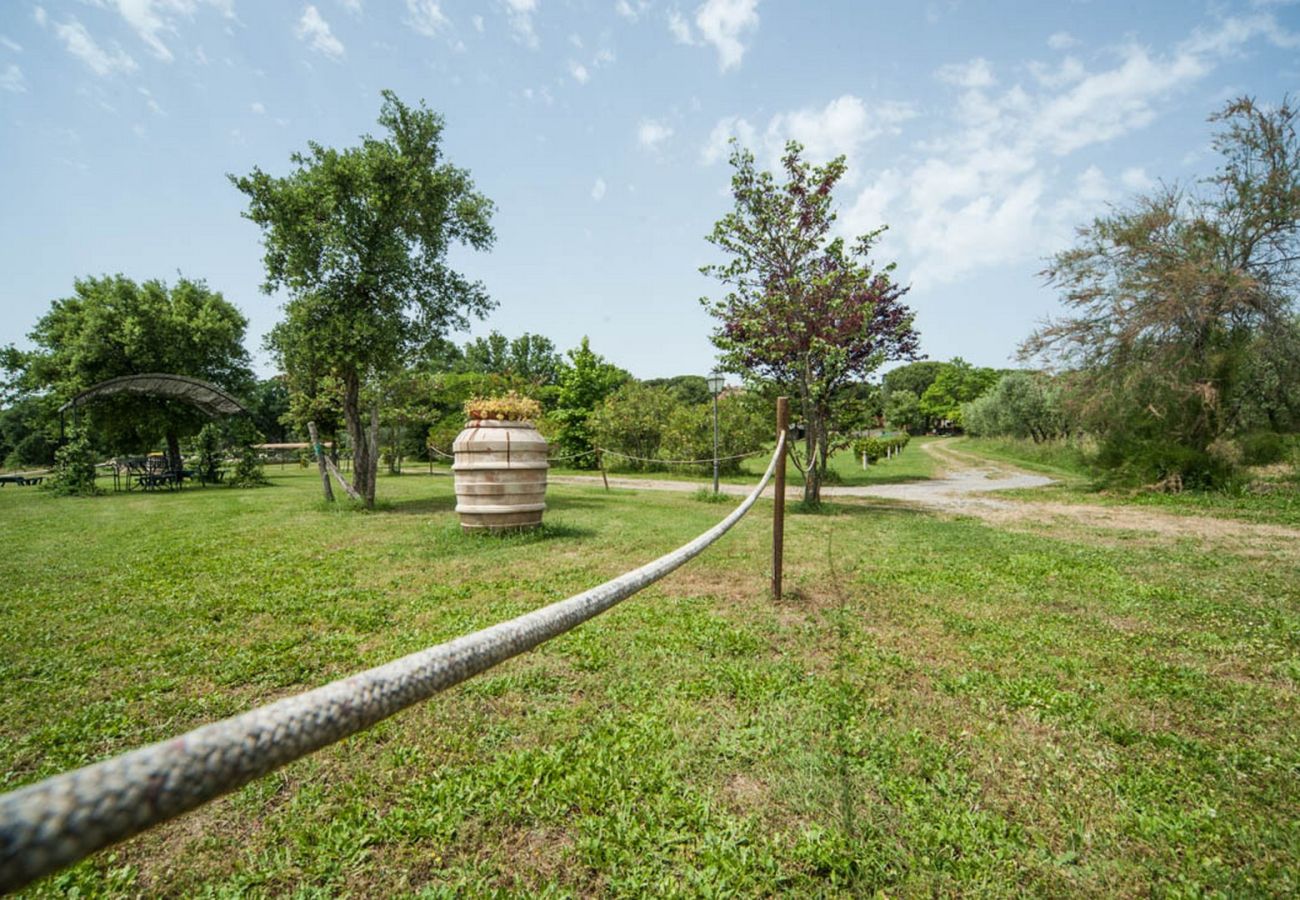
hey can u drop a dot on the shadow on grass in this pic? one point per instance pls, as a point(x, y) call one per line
point(421, 506)
point(521, 537)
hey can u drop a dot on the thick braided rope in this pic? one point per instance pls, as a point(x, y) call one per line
point(60, 820)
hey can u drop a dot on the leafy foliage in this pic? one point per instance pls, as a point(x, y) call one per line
point(248, 470)
point(903, 410)
point(877, 448)
point(632, 421)
point(1182, 329)
point(74, 468)
point(743, 427)
point(806, 311)
point(529, 357)
point(208, 453)
point(1021, 405)
point(360, 238)
point(585, 382)
point(956, 383)
point(112, 326)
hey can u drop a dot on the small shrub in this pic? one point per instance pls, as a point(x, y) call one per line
point(33, 450)
point(1263, 448)
point(508, 407)
point(248, 471)
point(208, 452)
point(74, 468)
point(876, 448)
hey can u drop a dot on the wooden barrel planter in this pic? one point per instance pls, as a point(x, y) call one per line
point(500, 471)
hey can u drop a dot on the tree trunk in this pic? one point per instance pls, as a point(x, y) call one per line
point(362, 471)
point(320, 461)
point(373, 438)
point(173, 452)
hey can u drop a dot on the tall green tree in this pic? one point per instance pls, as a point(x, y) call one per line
point(112, 326)
point(359, 238)
point(529, 357)
point(956, 383)
point(1171, 297)
point(586, 380)
point(806, 310)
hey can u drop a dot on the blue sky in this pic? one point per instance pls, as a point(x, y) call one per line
point(982, 133)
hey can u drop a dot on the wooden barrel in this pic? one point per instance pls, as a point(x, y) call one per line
point(500, 470)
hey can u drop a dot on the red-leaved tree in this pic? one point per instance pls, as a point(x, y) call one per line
point(806, 311)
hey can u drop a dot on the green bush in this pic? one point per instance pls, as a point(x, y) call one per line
point(876, 448)
point(208, 453)
point(1263, 448)
point(74, 468)
point(32, 450)
point(688, 434)
point(248, 471)
point(631, 421)
point(1136, 461)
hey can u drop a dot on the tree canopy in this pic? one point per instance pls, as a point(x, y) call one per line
point(359, 238)
point(1181, 304)
point(110, 327)
point(806, 310)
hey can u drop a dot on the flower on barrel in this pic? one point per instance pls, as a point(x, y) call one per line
point(508, 407)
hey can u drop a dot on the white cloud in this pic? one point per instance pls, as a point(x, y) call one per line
point(631, 10)
point(722, 23)
point(543, 94)
point(151, 102)
point(1135, 178)
point(680, 28)
point(39, 16)
point(78, 42)
point(258, 108)
point(312, 27)
point(844, 126)
point(151, 19)
point(985, 191)
point(12, 45)
point(1062, 40)
point(718, 145)
point(579, 72)
point(519, 13)
point(974, 74)
point(426, 17)
point(603, 57)
point(352, 6)
point(598, 190)
point(12, 80)
point(651, 133)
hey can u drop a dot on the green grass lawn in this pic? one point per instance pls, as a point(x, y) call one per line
point(1274, 500)
point(911, 464)
point(937, 707)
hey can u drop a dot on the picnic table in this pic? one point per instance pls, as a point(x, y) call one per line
point(21, 480)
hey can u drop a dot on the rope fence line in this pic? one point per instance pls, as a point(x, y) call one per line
point(62, 819)
point(607, 452)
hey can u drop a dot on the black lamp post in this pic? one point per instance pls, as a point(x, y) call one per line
point(715, 382)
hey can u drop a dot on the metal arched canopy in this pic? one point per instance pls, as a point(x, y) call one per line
point(204, 395)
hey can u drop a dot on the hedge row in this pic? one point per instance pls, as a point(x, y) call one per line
point(879, 447)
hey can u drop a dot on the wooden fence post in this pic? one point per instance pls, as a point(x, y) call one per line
point(778, 505)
